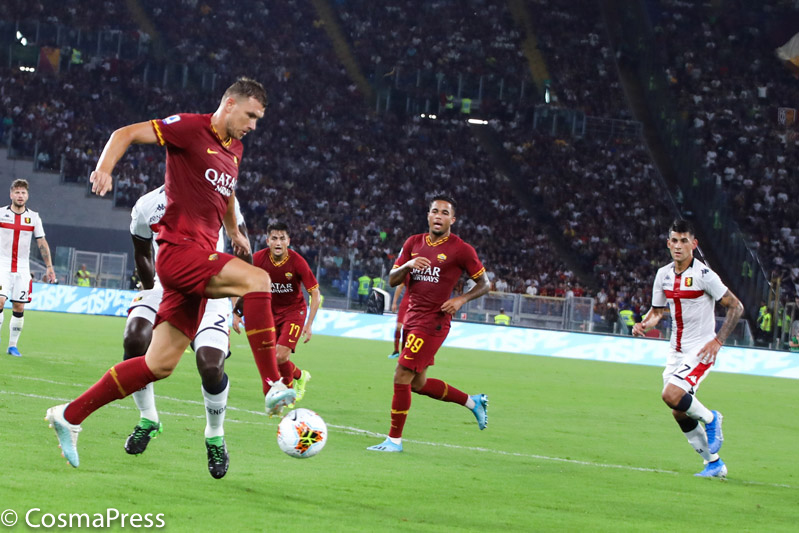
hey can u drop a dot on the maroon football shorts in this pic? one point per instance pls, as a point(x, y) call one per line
point(419, 350)
point(184, 271)
point(289, 328)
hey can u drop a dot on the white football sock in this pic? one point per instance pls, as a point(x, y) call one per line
point(697, 411)
point(215, 408)
point(469, 403)
point(15, 329)
point(697, 438)
point(145, 401)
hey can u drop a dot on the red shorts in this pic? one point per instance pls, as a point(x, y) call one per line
point(289, 329)
point(419, 350)
point(403, 308)
point(184, 270)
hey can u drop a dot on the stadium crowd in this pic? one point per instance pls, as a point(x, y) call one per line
point(351, 183)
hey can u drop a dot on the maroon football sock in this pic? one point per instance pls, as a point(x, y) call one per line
point(439, 390)
point(287, 372)
point(122, 379)
point(397, 335)
point(400, 405)
point(297, 373)
point(261, 335)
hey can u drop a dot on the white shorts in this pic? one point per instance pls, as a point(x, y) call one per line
point(213, 331)
point(685, 369)
point(16, 286)
point(145, 304)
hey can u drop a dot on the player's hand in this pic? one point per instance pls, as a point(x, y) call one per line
point(102, 182)
point(394, 307)
point(638, 329)
point(709, 352)
point(241, 245)
point(51, 275)
point(452, 305)
point(306, 332)
point(418, 263)
point(237, 323)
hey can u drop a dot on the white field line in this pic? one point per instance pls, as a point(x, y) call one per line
point(357, 431)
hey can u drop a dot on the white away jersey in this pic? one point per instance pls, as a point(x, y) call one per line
point(691, 296)
point(16, 231)
point(147, 213)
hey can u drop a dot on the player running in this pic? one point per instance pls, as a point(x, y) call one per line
point(211, 344)
point(434, 261)
point(17, 225)
point(288, 270)
point(399, 292)
point(203, 157)
point(691, 290)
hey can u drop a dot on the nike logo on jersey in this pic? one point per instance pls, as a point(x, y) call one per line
point(211, 151)
point(414, 254)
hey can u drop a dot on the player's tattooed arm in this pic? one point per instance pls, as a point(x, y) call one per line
point(44, 251)
point(735, 310)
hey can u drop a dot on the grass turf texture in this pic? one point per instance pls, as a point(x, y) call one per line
point(570, 444)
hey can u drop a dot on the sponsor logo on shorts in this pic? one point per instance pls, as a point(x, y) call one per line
point(213, 257)
point(408, 358)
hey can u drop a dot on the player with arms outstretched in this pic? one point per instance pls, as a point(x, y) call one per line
point(289, 271)
point(691, 289)
point(203, 157)
point(435, 262)
point(211, 343)
point(18, 225)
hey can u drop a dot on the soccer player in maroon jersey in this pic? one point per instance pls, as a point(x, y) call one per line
point(288, 270)
point(203, 157)
point(435, 261)
point(403, 309)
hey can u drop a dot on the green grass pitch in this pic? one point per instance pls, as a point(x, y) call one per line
point(571, 445)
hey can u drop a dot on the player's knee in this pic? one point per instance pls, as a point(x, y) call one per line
point(672, 398)
point(210, 364)
point(162, 371)
point(134, 345)
point(259, 281)
point(282, 355)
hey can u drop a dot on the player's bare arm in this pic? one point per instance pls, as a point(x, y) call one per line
point(143, 257)
point(735, 309)
point(397, 275)
point(395, 300)
point(481, 287)
point(315, 299)
point(44, 251)
point(115, 148)
point(240, 242)
point(653, 316)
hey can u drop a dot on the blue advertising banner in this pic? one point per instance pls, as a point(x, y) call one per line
point(487, 337)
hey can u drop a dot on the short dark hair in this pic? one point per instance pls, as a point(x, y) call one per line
point(680, 225)
point(440, 197)
point(19, 184)
point(246, 87)
point(277, 226)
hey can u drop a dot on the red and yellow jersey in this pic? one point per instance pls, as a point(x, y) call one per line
point(428, 289)
point(201, 174)
point(287, 277)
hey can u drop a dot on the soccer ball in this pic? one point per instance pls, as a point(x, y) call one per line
point(302, 433)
